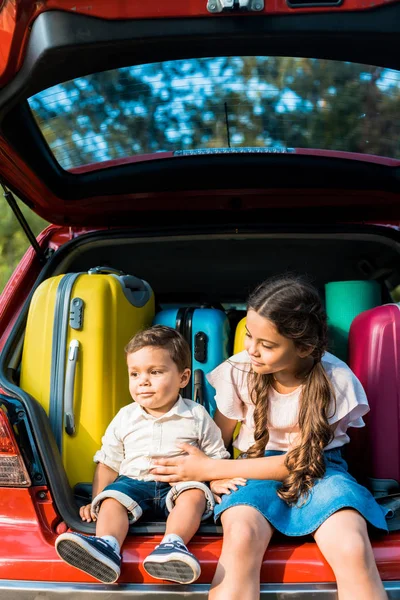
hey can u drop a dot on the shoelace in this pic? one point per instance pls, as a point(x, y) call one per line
point(172, 545)
point(102, 542)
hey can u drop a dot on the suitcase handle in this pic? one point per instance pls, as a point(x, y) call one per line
point(69, 417)
point(134, 284)
point(137, 291)
point(105, 271)
point(198, 387)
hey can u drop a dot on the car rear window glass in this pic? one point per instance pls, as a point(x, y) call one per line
point(181, 106)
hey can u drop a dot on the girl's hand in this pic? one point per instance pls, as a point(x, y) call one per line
point(223, 486)
point(191, 467)
point(86, 513)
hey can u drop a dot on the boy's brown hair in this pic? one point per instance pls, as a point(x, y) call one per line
point(160, 336)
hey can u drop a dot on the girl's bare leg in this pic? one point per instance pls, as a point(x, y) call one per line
point(246, 537)
point(344, 542)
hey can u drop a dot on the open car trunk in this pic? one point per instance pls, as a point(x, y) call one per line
point(217, 269)
point(216, 165)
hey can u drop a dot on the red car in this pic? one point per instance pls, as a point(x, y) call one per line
point(201, 146)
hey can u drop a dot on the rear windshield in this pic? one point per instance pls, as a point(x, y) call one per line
point(271, 103)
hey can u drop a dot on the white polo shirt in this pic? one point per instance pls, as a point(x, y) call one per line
point(134, 438)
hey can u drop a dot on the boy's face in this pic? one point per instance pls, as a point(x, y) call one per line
point(154, 379)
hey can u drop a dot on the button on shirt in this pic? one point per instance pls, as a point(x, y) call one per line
point(135, 438)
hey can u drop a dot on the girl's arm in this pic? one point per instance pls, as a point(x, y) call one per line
point(227, 426)
point(103, 476)
point(195, 465)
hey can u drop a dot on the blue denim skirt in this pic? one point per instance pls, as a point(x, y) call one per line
point(337, 489)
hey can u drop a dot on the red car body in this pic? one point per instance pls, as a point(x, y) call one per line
point(366, 193)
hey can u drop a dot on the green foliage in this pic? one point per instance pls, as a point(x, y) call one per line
point(262, 101)
point(265, 101)
point(13, 241)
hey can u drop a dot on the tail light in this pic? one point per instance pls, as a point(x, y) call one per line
point(13, 472)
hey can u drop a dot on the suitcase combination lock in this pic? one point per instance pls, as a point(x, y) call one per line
point(76, 313)
point(200, 347)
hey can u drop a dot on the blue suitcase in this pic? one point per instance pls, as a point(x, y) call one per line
point(207, 332)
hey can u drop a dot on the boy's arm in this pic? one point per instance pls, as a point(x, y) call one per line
point(225, 486)
point(108, 460)
point(227, 426)
point(210, 438)
point(111, 453)
point(103, 476)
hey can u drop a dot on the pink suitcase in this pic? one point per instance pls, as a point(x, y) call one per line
point(374, 356)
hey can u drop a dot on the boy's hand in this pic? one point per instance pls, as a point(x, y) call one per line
point(223, 486)
point(86, 513)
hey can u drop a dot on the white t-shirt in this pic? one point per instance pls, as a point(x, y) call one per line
point(230, 380)
point(134, 438)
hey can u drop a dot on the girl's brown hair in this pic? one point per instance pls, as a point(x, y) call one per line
point(160, 336)
point(294, 307)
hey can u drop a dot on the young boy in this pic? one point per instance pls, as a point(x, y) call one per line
point(150, 427)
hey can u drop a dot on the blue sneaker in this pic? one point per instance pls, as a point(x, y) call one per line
point(90, 554)
point(172, 561)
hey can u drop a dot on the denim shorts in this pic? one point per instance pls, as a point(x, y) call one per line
point(155, 497)
point(149, 495)
point(337, 489)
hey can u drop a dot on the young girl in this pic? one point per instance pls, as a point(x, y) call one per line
point(295, 402)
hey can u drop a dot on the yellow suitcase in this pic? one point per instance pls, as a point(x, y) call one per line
point(73, 359)
point(238, 346)
point(240, 334)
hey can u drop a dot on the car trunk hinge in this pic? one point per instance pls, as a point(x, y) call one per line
point(23, 222)
point(217, 6)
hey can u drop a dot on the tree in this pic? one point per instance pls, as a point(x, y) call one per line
point(213, 102)
point(13, 241)
point(265, 101)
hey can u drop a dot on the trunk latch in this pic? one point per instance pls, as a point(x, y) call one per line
point(217, 6)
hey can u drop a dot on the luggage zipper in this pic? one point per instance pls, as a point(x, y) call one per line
point(183, 324)
point(58, 353)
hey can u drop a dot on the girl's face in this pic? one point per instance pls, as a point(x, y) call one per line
point(269, 351)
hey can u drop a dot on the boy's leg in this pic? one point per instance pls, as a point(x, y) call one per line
point(171, 560)
point(112, 520)
point(99, 555)
point(184, 519)
point(93, 554)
